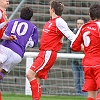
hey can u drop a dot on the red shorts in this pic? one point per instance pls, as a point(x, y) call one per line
point(43, 62)
point(92, 78)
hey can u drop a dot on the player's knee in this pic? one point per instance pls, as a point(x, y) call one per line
point(27, 75)
point(30, 75)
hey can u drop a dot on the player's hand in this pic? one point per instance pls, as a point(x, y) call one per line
point(82, 47)
point(12, 37)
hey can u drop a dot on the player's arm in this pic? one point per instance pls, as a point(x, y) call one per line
point(82, 48)
point(5, 22)
point(63, 27)
point(33, 40)
point(12, 37)
point(5, 17)
point(76, 44)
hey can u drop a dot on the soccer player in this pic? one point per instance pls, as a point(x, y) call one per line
point(3, 18)
point(12, 52)
point(51, 42)
point(89, 36)
point(3, 22)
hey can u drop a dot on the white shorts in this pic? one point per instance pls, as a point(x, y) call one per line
point(8, 58)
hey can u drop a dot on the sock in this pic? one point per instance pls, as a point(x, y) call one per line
point(1, 75)
point(89, 98)
point(40, 90)
point(0, 95)
point(35, 90)
point(98, 96)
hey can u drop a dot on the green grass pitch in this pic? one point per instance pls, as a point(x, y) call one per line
point(24, 97)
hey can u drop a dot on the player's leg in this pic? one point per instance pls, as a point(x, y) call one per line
point(89, 98)
point(90, 85)
point(1, 77)
point(4, 53)
point(98, 81)
point(34, 84)
point(9, 60)
point(98, 96)
point(3, 58)
point(40, 88)
point(40, 69)
point(92, 95)
point(2, 73)
point(31, 76)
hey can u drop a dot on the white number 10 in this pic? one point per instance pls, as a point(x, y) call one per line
point(17, 27)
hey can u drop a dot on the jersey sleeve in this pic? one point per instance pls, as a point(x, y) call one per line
point(3, 23)
point(30, 43)
point(33, 40)
point(77, 41)
point(63, 27)
point(4, 36)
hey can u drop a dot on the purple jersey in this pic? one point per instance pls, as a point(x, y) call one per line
point(24, 30)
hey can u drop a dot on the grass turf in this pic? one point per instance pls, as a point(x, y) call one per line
point(24, 97)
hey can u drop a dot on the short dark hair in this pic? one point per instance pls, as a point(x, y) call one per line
point(57, 6)
point(82, 18)
point(26, 13)
point(95, 11)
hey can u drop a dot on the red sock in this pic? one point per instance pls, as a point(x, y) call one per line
point(89, 98)
point(98, 96)
point(35, 89)
point(0, 95)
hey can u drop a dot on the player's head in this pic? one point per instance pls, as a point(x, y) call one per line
point(94, 12)
point(26, 13)
point(56, 7)
point(80, 22)
point(4, 4)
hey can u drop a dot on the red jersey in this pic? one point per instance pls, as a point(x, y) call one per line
point(89, 36)
point(2, 24)
point(53, 34)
